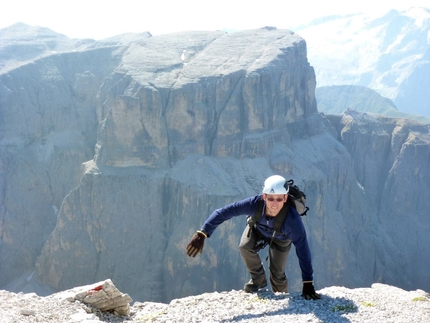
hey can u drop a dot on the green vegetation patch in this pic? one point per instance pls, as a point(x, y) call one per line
point(368, 304)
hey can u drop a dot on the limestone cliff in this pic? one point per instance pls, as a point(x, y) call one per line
point(112, 156)
point(390, 159)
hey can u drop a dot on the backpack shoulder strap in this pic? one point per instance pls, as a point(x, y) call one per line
point(280, 218)
point(252, 220)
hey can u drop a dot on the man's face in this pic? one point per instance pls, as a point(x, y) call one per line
point(274, 202)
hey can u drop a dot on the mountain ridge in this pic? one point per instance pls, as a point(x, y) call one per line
point(336, 99)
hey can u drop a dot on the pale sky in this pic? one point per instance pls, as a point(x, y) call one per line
point(102, 19)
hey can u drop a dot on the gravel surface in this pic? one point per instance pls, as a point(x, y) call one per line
point(380, 303)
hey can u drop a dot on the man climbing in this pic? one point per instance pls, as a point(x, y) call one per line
point(275, 206)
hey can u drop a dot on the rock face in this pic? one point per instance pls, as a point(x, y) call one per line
point(114, 155)
point(389, 162)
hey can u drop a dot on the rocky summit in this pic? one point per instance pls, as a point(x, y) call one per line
point(337, 305)
point(113, 153)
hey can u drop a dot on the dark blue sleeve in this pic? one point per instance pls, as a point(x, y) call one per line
point(300, 241)
point(246, 206)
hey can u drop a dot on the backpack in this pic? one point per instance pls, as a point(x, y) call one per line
point(297, 196)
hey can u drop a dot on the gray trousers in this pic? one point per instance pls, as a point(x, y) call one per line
point(278, 255)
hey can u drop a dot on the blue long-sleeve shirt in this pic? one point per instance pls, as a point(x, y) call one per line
point(292, 228)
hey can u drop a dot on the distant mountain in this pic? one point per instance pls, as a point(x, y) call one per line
point(21, 44)
point(389, 54)
point(339, 98)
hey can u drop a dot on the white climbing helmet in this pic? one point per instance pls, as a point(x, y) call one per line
point(275, 185)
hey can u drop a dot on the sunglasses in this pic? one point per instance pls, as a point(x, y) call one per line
point(278, 199)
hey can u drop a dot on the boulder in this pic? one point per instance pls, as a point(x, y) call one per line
point(104, 296)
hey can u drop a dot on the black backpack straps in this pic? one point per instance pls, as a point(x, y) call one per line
point(278, 221)
point(257, 215)
point(280, 218)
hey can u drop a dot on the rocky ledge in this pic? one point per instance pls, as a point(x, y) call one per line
point(102, 302)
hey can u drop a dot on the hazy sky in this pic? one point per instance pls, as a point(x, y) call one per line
point(101, 19)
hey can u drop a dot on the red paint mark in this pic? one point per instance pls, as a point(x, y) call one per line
point(95, 289)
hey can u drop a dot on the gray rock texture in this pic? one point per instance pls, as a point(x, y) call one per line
point(114, 154)
point(376, 303)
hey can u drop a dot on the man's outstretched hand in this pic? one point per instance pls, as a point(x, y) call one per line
point(196, 244)
point(309, 291)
